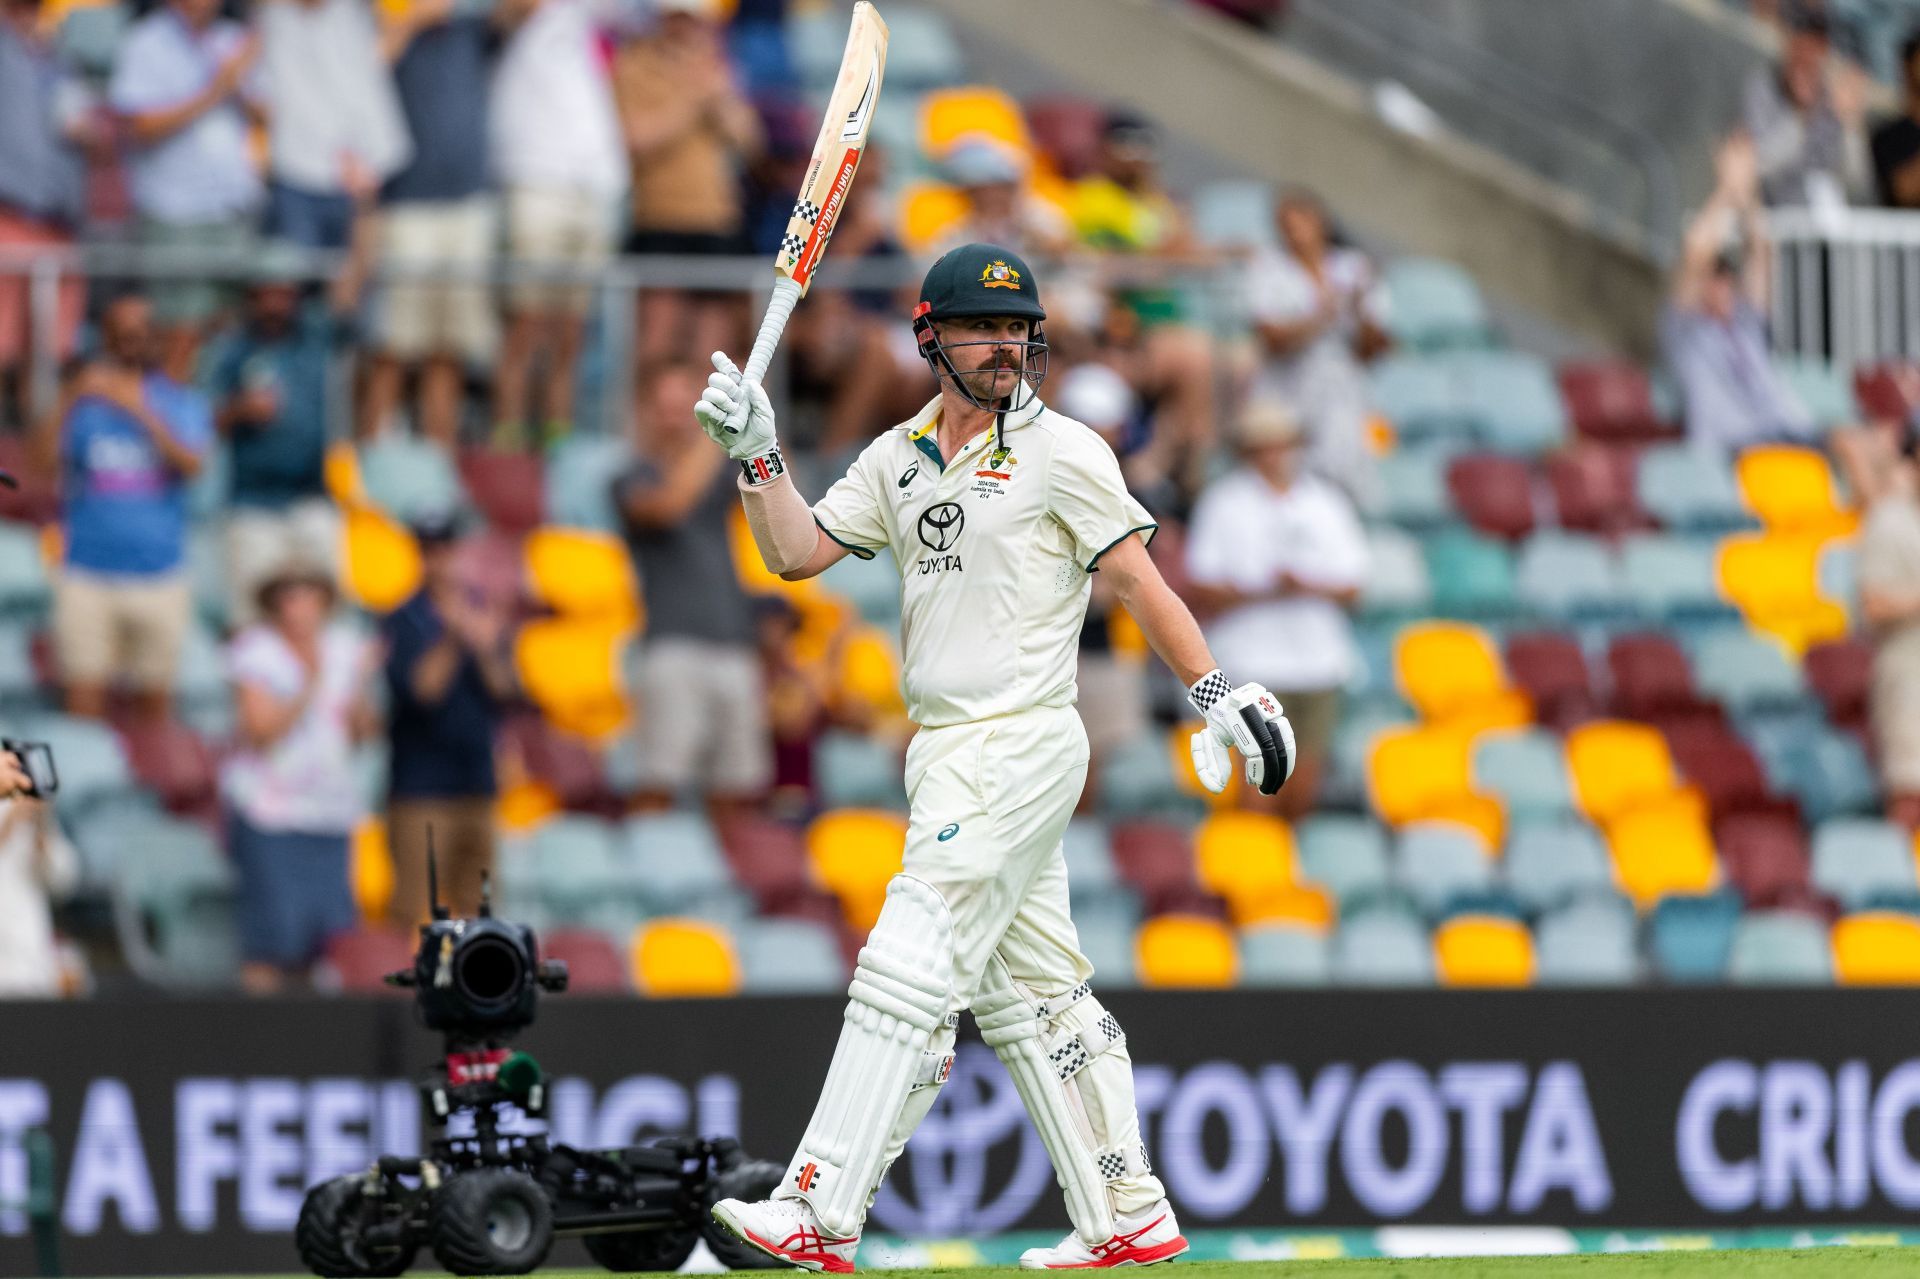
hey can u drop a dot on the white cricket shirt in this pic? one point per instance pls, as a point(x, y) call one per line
point(994, 548)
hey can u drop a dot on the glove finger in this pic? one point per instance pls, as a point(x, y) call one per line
point(721, 382)
point(1209, 763)
point(724, 367)
point(761, 404)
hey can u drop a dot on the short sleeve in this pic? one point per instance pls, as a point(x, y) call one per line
point(253, 659)
point(1088, 496)
point(1278, 291)
point(851, 513)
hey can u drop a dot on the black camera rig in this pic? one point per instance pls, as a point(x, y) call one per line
point(491, 1201)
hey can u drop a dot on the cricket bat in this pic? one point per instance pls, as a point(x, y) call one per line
point(836, 157)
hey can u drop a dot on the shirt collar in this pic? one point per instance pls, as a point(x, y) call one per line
point(921, 426)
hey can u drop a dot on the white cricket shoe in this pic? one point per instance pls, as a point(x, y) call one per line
point(787, 1230)
point(1138, 1240)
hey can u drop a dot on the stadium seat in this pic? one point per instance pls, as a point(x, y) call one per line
point(357, 962)
point(1671, 579)
point(1235, 213)
point(1828, 773)
point(1747, 672)
point(1689, 937)
point(1552, 670)
point(1526, 770)
point(1877, 391)
point(1617, 765)
point(1660, 849)
point(854, 852)
point(1513, 402)
point(408, 478)
point(854, 770)
point(1420, 396)
point(929, 211)
point(1840, 673)
point(1415, 771)
point(971, 112)
point(1397, 582)
point(1593, 490)
point(675, 861)
point(1765, 855)
point(1068, 130)
point(579, 479)
point(173, 906)
point(1138, 780)
point(1276, 955)
point(37, 499)
point(1155, 858)
point(509, 487)
point(1549, 864)
point(1859, 859)
point(1494, 493)
point(1436, 863)
point(1651, 675)
point(582, 573)
point(1589, 942)
point(571, 669)
point(1307, 906)
point(1691, 490)
point(790, 957)
point(1877, 948)
point(1186, 952)
point(1472, 576)
point(1451, 671)
point(382, 562)
point(1774, 580)
point(1436, 305)
point(564, 763)
point(871, 585)
point(1780, 948)
point(1483, 950)
point(1412, 487)
point(594, 966)
point(1091, 874)
point(1570, 576)
point(577, 862)
point(91, 760)
point(25, 591)
point(683, 957)
point(1243, 858)
point(1345, 855)
point(1382, 946)
point(1720, 764)
point(175, 763)
point(1791, 490)
point(768, 858)
point(1610, 401)
point(1821, 388)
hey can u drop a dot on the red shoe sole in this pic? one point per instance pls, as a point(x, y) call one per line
point(1134, 1256)
point(815, 1261)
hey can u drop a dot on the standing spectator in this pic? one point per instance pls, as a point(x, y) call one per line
point(557, 151)
point(689, 130)
point(299, 681)
point(1807, 119)
point(183, 87)
point(436, 214)
point(1277, 555)
point(1001, 208)
point(703, 720)
point(799, 707)
point(334, 131)
point(1714, 333)
point(448, 674)
point(42, 175)
point(37, 867)
point(1896, 143)
point(126, 440)
point(1319, 314)
point(1890, 604)
point(274, 385)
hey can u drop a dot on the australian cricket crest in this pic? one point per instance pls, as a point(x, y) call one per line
point(991, 479)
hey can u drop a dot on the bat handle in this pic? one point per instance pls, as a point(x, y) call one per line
point(779, 308)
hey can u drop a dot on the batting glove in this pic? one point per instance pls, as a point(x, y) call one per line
point(753, 445)
point(1248, 718)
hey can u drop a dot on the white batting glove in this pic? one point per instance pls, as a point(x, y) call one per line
point(753, 445)
point(1247, 718)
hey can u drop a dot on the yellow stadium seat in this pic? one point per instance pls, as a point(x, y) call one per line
point(1661, 848)
point(383, 563)
point(570, 669)
point(854, 852)
point(1243, 857)
point(1615, 765)
point(582, 573)
point(1449, 669)
point(341, 474)
point(870, 671)
point(928, 210)
point(683, 957)
point(1305, 906)
point(1877, 948)
point(1189, 951)
point(1413, 770)
point(947, 116)
point(1774, 580)
point(1483, 950)
point(523, 806)
point(1482, 815)
point(1791, 490)
point(372, 871)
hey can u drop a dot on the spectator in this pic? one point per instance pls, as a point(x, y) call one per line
point(799, 706)
point(689, 129)
point(37, 867)
point(556, 149)
point(334, 127)
point(1890, 604)
point(1714, 333)
point(126, 440)
point(1001, 208)
point(1319, 316)
point(703, 710)
point(1896, 143)
point(42, 174)
point(1277, 556)
point(449, 672)
point(1807, 119)
point(274, 383)
point(299, 680)
point(436, 214)
point(184, 88)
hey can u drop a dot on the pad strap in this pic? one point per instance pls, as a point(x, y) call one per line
point(1070, 1054)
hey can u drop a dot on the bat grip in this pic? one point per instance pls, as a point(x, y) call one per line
point(779, 307)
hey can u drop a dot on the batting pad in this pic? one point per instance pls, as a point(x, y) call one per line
point(897, 1017)
point(1079, 1092)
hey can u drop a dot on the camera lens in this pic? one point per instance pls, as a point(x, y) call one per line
point(490, 972)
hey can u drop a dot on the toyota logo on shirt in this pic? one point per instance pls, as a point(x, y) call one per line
point(940, 525)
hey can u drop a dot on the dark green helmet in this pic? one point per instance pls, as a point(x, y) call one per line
point(977, 280)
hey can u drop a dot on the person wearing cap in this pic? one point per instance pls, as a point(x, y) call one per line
point(1807, 118)
point(449, 672)
point(299, 678)
point(996, 511)
point(1276, 557)
point(1001, 209)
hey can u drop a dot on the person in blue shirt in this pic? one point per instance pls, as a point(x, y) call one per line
point(127, 441)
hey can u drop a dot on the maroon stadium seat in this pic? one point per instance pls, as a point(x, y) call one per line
point(1494, 493)
point(37, 500)
point(769, 859)
point(817, 907)
point(1155, 857)
point(173, 761)
point(1764, 855)
point(567, 764)
point(1651, 675)
point(1840, 672)
point(1594, 489)
point(509, 488)
point(1877, 388)
point(1068, 130)
point(1715, 759)
point(594, 967)
point(361, 959)
point(1611, 400)
point(1552, 671)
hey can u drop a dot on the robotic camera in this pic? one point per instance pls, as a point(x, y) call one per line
point(488, 1199)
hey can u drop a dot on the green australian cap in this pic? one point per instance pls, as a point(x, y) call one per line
point(980, 279)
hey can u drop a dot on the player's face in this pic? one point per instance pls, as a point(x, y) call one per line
point(989, 353)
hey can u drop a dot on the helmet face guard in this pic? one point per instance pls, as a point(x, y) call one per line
point(1033, 365)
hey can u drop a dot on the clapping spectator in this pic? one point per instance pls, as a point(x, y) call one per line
point(334, 131)
point(1890, 605)
point(184, 87)
point(555, 142)
point(1714, 333)
point(449, 672)
point(1319, 314)
point(1276, 557)
point(436, 214)
point(291, 798)
point(38, 867)
point(1896, 143)
point(125, 440)
point(1807, 119)
point(689, 130)
point(49, 125)
point(275, 384)
point(703, 720)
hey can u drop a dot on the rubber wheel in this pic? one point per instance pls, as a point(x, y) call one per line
point(642, 1249)
point(328, 1235)
point(750, 1184)
point(491, 1221)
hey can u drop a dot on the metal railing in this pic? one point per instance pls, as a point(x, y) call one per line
point(1846, 284)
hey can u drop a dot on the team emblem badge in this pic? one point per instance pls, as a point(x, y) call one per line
point(998, 275)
